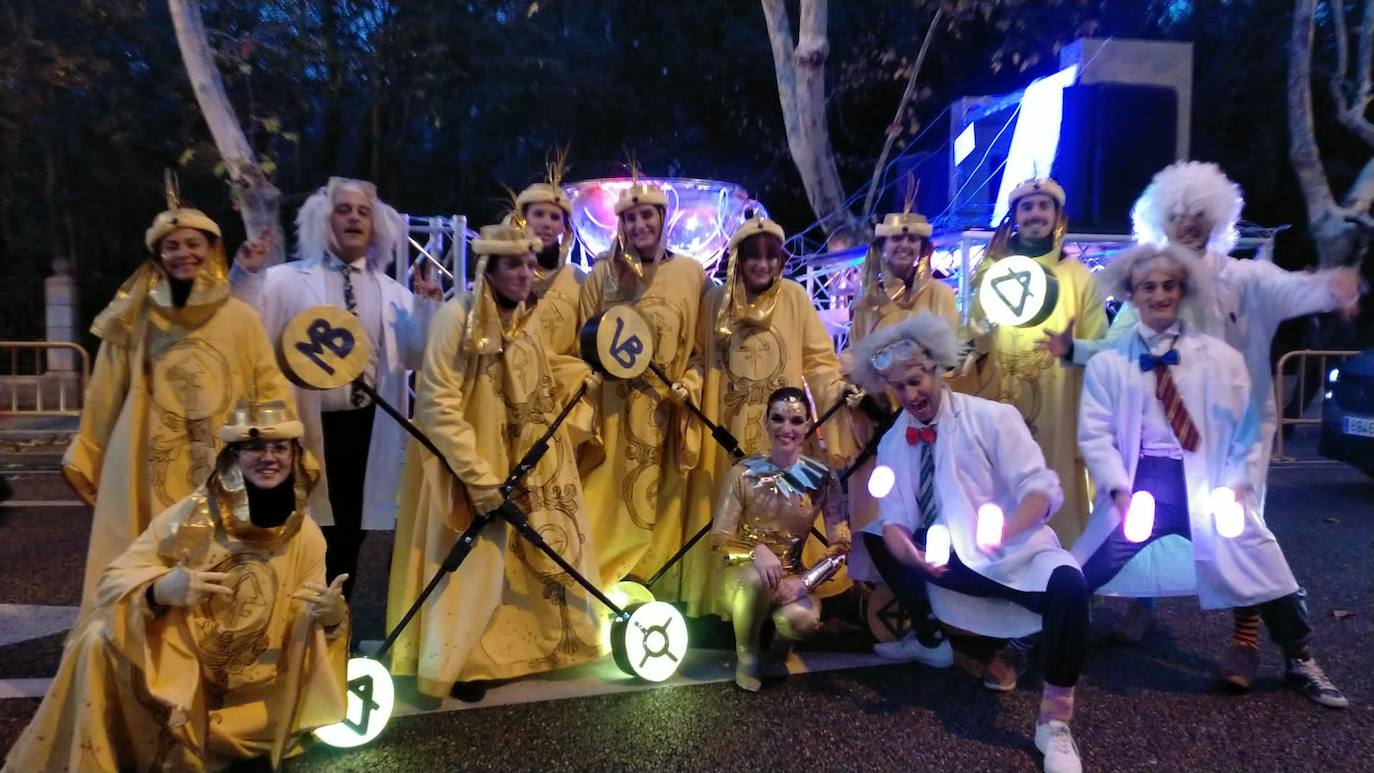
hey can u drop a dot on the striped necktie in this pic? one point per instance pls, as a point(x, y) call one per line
point(356, 395)
point(925, 494)
point(1169, 398)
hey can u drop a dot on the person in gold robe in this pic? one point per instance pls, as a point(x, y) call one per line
point(897, 284)
point(547, 214)
point(757, 333)
point(763, 518)
point(636, 467)
point(177, 353)
point(1044, 390)
point(487, 391)
point(213, 637)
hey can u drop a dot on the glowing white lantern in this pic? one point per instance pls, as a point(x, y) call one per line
point(371, 698)
point(1018, 292)
point(1227, 513)
point(880, 481)
point(1140, 517)
point(990, 523)
point(650, 640)
point(937, 545)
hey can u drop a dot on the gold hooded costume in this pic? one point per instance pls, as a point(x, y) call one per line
point(488, 389)
point(190, 688)
point(164, 379)
point(1045, 391)
point(637, 464)
point(747, 348)
point(558, 289)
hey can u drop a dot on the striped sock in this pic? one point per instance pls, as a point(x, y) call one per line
point(1055, 703)
point(1246, 633)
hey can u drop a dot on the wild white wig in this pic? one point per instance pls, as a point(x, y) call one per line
point(315, 237)
point(1189, 187)
point(934, 346)
point(1115, 278)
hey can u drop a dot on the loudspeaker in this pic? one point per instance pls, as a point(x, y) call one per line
point(1112, 140)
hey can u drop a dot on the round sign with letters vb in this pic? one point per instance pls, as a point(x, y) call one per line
point(323, 347)
point(1018, 292)
point(618, 343)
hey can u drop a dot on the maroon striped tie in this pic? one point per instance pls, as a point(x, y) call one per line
point(1179, 421)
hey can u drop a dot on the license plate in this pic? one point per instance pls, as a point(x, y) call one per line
point(1358, 426)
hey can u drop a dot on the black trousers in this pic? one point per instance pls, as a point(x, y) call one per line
point(347, 435)
point(1286, 618)
point(1063, 605)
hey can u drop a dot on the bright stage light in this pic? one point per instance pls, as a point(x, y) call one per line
point(700, 218)
point(1140, 517)
point(990, 523)
point(371, 697)
point(1035, 140)
point(880, 481)
point(1227, 513)
point(649, 641)
point(937, 545)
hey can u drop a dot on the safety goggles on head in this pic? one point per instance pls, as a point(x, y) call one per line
point(899, 351)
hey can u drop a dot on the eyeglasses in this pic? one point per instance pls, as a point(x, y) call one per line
point(278, 448)
point(897, 351)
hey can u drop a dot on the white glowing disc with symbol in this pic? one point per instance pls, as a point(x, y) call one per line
point(323, 347)
point(650, 641)
point(1018, 292)
point(618, 343)
point(371, 697)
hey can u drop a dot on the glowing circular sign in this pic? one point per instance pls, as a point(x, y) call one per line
point(700, 218)
point(323, 347)
point(371, 697)
point(650, 640)
point(618, 343)
point(1018, 292)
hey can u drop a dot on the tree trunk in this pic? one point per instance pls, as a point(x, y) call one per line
point(258, 200)
point(800, 71)
point(1334, 236)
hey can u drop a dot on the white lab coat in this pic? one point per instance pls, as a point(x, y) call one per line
point(983, 453)
point(1212, 380)
point(1250, 299)
point(281, 292)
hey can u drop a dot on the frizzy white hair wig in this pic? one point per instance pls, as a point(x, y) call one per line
point(1187, 187)
point(315, 236)
point(934, 344)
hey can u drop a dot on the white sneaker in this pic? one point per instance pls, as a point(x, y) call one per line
point(909, 648)
point(1054, 740)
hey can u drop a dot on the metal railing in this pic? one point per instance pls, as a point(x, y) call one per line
point(29, 379)
point(1302, 355)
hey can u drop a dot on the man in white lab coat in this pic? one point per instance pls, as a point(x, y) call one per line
point(346, 239)
point(953, 456)
point(1166, 421)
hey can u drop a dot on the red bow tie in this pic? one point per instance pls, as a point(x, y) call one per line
point(916, 435)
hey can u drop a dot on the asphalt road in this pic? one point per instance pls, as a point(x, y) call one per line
point(1152, 707)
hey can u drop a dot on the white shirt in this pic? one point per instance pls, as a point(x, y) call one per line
point(1156, 436)
point(367, 296)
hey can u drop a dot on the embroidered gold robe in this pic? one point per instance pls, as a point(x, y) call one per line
point(193, 688)
point(163, 383)
point(558, 312)
point(508, 610)
point(635, 470)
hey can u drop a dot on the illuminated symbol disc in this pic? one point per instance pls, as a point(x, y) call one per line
point(650, 641)
point(1017, 291)
point(618, 343)
point(887, 621)
point(323, 347)
point(371, 697)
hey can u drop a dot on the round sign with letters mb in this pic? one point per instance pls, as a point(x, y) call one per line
point(618, 343)
point(323, 347)
point(1018, 291)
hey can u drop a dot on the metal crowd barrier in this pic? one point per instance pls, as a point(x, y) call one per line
point(28, 379)
point(1302, 356)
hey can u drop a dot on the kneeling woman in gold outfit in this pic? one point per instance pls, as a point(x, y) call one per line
point(763, 517)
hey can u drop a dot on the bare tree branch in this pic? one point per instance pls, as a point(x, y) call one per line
point(1302, 139)
point(1350, 110)
point(1338, 30)
point(891, 132)
point(1360, 197)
